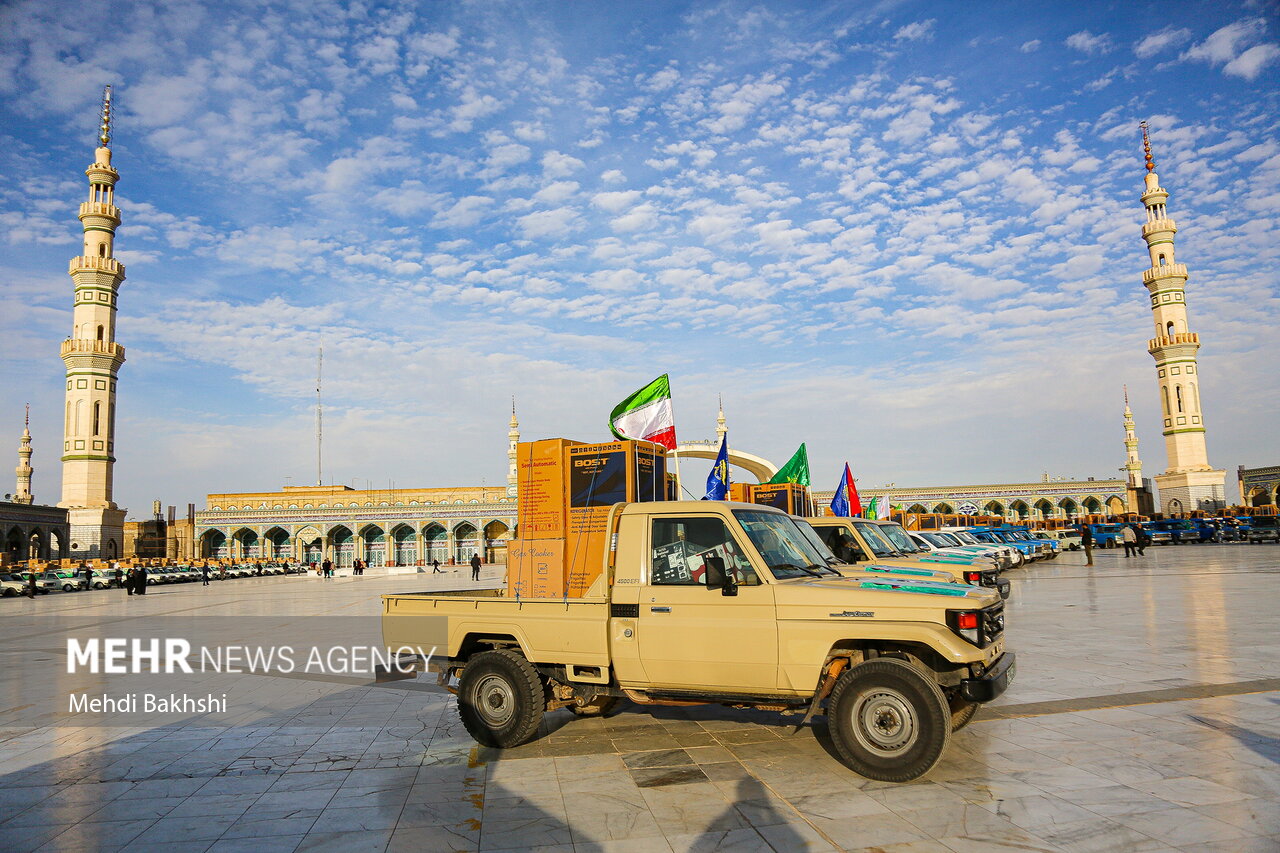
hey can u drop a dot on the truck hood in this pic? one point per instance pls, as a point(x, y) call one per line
point(883, 590)
point(882, 570)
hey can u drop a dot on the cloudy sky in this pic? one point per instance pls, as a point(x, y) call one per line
point(906, 236)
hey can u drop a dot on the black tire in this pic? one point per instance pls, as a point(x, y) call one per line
point(500, 698)
point(961, 712)
point(66, 587)
point(888, 720)
point(597, 707)
point(9, 593)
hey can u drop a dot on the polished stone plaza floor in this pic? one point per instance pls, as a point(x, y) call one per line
point(1145, 717)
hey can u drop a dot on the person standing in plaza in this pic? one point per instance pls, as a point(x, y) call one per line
point(327, 567)
point(204, 574)
point(31, 585)
point(1130, 540)
point(475, 566)
point(119, 574)
point(130, 580)
point(142, 580)
point(1086, 541)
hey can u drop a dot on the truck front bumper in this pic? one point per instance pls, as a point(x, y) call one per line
point(991, 683)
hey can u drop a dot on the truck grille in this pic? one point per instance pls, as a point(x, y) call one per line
point(992, 623)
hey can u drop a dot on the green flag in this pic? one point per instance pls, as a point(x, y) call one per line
point(796, 470)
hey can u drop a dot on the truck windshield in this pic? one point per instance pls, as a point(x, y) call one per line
point(785, 549)
point(899, 538)
point(965, 537)
point(828, 558)
point(936, 539)
point(876, 541)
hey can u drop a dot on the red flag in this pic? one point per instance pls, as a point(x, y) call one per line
point(855, 503)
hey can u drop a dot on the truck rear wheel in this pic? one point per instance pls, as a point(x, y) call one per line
point(597, 707)
point(889, 721)
point(500, 698)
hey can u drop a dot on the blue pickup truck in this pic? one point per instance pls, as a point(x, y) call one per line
point(1171, 531)
point(1264, 527)
point(1106, 535)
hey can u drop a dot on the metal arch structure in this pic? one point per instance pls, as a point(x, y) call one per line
point(759, 467)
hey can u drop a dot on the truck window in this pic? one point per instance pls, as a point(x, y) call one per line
point(895, 534)
point(682, 546)
point(784, 548)
point(875, 540)
point(841, 543)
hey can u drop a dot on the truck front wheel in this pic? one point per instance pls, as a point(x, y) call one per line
point(500, 698)
point(889, 721)
point(961, 712)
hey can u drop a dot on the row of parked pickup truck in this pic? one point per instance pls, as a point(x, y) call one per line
point(68, 580)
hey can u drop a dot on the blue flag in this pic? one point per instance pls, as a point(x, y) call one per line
point(718, 479)
point(841, 504)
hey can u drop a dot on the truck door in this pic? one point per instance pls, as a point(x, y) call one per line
point(692, 637)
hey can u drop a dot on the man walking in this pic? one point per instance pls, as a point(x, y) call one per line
point(435, 567)
point(1086, 540)
point(475, 566)
point(1130, 540)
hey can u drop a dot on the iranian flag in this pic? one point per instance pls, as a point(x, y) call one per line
point(646, 415)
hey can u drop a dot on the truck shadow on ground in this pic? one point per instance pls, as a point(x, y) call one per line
point(383, 767)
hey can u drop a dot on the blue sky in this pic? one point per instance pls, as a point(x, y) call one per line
point(906, 233)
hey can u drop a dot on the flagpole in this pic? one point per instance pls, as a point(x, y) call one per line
point(675, 451)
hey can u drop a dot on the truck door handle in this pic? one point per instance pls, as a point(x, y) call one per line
point(659, 609)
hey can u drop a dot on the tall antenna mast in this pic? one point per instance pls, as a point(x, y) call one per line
point(319, 419)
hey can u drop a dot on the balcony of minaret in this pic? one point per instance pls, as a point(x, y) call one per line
point(84, 346)
point(89, 262)
point(1164, 271)
point(1163, 341)
point(99, 209)
point(1149, 228)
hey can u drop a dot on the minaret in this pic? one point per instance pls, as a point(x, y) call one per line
point(93, 359)
point(22, 494)
point(1132, 465)
point(1190, 482)
point(513, 439)
point(721, 429)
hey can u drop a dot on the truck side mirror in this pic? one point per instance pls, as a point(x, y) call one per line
point(718, 578)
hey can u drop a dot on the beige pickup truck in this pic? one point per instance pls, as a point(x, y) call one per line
point(860, 543)
point(716, 602)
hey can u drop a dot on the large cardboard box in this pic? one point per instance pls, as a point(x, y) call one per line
point(540, 488)
point(565, 492)
point(535, 568)
point(791, 498)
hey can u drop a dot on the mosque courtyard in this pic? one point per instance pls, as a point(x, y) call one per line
point(1145, 717)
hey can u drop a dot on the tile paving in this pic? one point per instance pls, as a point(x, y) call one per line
point(1145, 717)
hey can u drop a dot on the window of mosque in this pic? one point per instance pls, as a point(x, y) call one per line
point(277, 506)
point(413, 503)
point(473, 501)
point(324, 506)
point(383, 503)
point(293, 506)
point(306, 506)
point(368, 503)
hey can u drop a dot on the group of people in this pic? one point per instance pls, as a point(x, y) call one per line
point(135, 580)
point(1132, 536)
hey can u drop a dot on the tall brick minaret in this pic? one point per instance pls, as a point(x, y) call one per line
point(93, 358)
point(1190, 483)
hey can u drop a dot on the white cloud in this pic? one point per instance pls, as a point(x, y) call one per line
point(1030, 46)
point(557, 192)
point(616, 202)
point(736, 103)
point(464, 213)
point(916, 31)
point(557, 165)
point(1086, 42)
point(1160, 41)
point(553, 224)
point(1224, 45)
point(1250, 63)
point(613, 176)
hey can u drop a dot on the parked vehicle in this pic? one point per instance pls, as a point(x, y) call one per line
point(1264, 527)
point(11, 586)
point(45, 582)
point(1068, 540)
point(896, 665)
point(859, 547)
point(1006, 556)
point(68, 581)
point(1106, 535)
point(1175, 531)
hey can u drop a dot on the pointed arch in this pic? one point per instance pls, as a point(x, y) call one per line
point(435, 542)
point(403, 546)
point(1043, 508)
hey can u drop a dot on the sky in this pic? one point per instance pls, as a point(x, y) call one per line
point(905, 233)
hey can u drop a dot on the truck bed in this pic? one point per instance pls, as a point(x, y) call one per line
point(552, 631)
